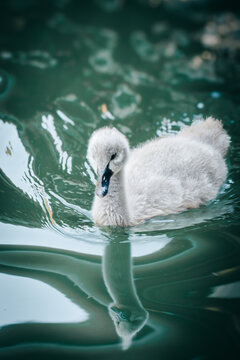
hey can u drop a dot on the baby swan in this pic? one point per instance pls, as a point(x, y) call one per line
point(160, 177)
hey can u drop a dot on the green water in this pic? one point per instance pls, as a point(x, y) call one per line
point(148, 68)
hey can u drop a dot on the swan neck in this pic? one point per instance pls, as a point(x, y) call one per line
point(112, 209)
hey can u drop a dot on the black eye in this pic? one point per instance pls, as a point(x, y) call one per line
point(113, 156)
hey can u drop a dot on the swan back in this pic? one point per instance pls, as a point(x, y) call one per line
point(209, 132)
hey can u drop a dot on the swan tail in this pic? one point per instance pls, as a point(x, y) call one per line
point(209, 131)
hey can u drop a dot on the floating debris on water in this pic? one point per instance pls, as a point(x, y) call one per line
point(103, 108)
point(48, 208)
point(9, 149)
point(105, 113)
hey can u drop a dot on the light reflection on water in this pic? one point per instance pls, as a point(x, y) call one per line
point(36, 302)
point(168, 288)
point(12, 155)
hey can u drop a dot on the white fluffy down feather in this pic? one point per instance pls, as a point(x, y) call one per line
point(159, 177)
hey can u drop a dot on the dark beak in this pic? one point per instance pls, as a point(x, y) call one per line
point(122, 315)
point(103, 182)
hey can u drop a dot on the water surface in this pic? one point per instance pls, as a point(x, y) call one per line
point(167, 289)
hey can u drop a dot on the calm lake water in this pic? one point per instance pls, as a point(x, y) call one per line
point(167, 289)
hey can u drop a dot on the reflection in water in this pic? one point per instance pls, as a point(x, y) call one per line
point(36, 302)
point(126, 311)
point(163, 306)
point(229, 291)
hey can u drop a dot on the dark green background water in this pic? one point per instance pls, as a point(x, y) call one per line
point(157, 66)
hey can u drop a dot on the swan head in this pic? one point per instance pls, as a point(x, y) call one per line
point(128, 321)
point(107, 153)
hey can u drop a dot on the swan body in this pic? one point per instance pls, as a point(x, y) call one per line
point(160, 177)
